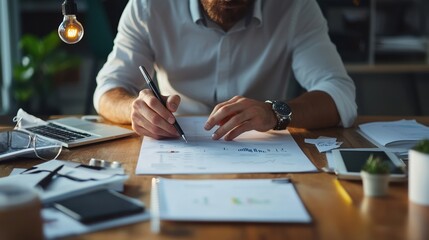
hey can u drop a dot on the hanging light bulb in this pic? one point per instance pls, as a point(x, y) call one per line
point(70, 29)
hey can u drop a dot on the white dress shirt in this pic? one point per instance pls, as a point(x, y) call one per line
point(196, 59)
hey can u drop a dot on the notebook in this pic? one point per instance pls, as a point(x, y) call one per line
point(226, 200)
point(397, 136)
point(71, 131)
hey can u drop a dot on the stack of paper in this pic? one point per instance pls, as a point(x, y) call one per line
point(71, 179)
point(396, 135)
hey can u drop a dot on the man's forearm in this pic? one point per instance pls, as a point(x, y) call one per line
point(314, 110)
point(115, 105)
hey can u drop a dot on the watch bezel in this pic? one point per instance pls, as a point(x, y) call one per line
point(282, 109)
point(283, 113)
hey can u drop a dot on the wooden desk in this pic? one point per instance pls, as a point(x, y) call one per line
point(391, 217)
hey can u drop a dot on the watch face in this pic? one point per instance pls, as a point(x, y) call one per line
point(282, 109)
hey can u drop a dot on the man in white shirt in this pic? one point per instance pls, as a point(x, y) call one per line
point(225, 58)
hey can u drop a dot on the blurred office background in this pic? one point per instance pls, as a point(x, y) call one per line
point(384, 45)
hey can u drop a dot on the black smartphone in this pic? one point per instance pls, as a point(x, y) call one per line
point(99, 205)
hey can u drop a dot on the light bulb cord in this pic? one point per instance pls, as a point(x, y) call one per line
point(69, 7)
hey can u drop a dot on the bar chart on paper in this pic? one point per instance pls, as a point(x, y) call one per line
point(251, 152)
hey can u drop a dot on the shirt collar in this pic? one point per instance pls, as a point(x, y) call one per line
point(257, 11)
point(197, 15)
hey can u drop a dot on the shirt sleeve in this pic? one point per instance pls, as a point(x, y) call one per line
point(131, 48)
point(317, 64)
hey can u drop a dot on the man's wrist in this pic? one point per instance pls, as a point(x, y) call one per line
point(282, 112)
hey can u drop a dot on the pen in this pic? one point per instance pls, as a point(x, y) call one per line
point(155, 91)
point(44, 183)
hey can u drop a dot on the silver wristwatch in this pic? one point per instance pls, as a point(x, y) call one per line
point(283, 113)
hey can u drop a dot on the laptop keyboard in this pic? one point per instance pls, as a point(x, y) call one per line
point(58, 132)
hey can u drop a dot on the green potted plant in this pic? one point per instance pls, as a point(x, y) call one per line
point(418, 168)
point(375, 177)
point(33, 77)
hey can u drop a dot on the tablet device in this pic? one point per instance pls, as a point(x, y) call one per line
point(349, 162)
point(98, 206)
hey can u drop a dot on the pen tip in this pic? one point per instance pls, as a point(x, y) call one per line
point(184, 138)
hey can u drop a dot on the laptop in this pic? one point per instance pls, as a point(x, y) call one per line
point(73, 132)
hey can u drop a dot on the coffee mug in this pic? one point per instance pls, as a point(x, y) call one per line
point(20, 213)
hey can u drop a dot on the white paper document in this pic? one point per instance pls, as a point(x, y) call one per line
point(242, 200)
point(69, 181)
point(251, 152)
point(396, 135)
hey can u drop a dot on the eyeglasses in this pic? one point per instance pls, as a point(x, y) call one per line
point(18, 140)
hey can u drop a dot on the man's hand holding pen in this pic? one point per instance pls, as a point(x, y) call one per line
point(150, 118)
point(152, 115)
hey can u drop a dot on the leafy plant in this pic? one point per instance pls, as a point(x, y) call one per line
point(376, 165)
point(422, 146)
point(42, 60)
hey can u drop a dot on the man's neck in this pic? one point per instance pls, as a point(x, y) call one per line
point(225, 26)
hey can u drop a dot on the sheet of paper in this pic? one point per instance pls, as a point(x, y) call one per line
point(251, 152)
point(119, 186)
point(324, 144)
point(61, 187)
point(243, 200)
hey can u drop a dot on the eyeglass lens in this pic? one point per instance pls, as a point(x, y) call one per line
point(12, 140)
point(46, 150)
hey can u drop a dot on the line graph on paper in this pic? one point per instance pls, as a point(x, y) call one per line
point(251, 152)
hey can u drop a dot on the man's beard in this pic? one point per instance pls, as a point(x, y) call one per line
point(226, 12)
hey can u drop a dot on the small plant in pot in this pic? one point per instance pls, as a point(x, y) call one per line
point(375, 177)
point(418, 168)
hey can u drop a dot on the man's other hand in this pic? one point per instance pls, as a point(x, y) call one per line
point(239, 115)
